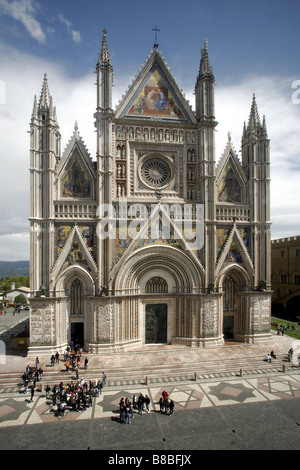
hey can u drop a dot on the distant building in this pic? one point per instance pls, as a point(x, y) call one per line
point(132, 276)
point(14, 292)
point(285, 256)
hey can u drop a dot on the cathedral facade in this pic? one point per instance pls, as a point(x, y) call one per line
point(156, 240)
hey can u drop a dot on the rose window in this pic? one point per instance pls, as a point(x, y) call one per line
point(156, 173)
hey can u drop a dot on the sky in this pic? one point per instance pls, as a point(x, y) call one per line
point(253, 47)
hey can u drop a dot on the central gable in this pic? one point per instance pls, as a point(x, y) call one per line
point(155, 95)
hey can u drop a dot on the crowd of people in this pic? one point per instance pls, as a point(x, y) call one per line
point(141, 403)
point(76, 396)
point(79, 395)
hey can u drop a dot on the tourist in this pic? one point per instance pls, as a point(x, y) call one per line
point(268, 358)
point(122, 410)
point(103, 378)
point(167, 406)
point(127, 414)
point(172, 405)
point(32, 393)
point(147, 403)
point(140, 404)
point(161, 405)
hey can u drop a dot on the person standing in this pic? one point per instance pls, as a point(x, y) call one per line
point(32, 393)
point(147, 403)
point(127, 414)
point(140, 404)
point(103, 378)
point(86, 361)
point(172, 405)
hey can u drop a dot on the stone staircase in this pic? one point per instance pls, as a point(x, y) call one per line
point(138, 375)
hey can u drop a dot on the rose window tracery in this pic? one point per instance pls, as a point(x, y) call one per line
point(156, 172)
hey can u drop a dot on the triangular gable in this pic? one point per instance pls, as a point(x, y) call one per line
point(234, 251)
point(230, 177)
point(74, 252)
point(75, 170)
point(149, 235)
point(154, 95)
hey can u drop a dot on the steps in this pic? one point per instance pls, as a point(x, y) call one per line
point(156, 374)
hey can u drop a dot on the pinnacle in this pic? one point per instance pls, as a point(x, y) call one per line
point(45, 95)
point(205, 70)
point(104, 58)
point(254, 115)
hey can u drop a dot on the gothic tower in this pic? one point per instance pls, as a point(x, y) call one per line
point(256, 164)
point(44, 154)
point(103, 123)
point(205, 113)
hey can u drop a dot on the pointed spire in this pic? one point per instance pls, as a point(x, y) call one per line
point(264, 127)
point(45, 95)
point(255, 128)
point(35, 109)
point(254, 116)
point(205, 69)
point(104, 58)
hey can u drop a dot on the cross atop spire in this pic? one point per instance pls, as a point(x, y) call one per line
point(155, 37)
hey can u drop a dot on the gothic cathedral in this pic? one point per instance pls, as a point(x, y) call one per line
point(153, 241)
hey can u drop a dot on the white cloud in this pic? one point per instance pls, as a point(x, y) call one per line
point(75, 100)
point(76, 36)
point(24, 11)
point(74, 33)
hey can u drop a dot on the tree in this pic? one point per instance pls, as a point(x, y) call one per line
point(21, 299)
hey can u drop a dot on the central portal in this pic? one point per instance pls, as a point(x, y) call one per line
point(156, 323)
point(77, 333)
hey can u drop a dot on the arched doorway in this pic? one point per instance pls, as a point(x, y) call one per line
point(74, 285)
point(156, 315)
point(156, 285)
point(234, 283)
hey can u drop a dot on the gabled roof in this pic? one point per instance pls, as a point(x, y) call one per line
point(75, 142)
point(60, 260)
point(230, 154)
point(234, 235)
point(154, 94)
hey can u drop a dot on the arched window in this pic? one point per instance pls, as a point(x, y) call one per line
point(230, 287)
point(229, 294)
point(156, 285)
point(76, 298)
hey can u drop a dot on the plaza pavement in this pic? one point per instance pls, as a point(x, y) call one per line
point(222, 407)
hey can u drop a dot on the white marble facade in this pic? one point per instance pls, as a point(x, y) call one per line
point(150, 240)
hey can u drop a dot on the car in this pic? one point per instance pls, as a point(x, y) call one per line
point(27, 307)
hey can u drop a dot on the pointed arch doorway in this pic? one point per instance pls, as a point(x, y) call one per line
point(233, 285)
